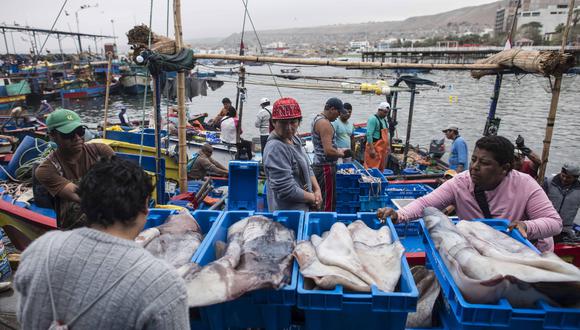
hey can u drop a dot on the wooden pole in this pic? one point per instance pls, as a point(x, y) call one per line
point(107, 90)
point(551, 120)
point(180, 101)
point(362, 65)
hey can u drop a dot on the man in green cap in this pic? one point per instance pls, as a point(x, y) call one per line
point(65, 166)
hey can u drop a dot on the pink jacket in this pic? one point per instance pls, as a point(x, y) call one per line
point(517, 197)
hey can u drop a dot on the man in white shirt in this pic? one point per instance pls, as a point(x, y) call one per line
point(264, 122)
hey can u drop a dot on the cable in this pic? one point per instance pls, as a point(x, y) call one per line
point(260, 44)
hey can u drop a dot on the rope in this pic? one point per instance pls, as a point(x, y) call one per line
point(260, 44)
point(147, 84)
point(40, 51)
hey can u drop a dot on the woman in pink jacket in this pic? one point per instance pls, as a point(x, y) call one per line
point(491, 189)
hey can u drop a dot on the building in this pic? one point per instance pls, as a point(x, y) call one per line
point(359, 45)
point(550, 17)
point(385, 44)
point(504, 16)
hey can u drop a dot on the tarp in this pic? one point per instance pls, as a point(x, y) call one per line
point(182, 61)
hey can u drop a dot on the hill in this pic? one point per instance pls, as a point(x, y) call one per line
point(468, 19)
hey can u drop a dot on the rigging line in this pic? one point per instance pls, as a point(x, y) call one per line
point(146, 85)
point(41, 48)
point(245, 2)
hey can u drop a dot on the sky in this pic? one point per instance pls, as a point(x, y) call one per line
point(203, 19)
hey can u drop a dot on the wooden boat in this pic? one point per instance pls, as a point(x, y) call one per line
point(134, 80)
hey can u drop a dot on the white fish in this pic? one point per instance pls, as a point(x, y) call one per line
point(360, 232)
point(325, 277)
point(486, 279)
point(337, 249)
point(429, 289)
point(258, 255)
point(382, 262)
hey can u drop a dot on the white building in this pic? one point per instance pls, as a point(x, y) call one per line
point(385, 44)
point(550, 17)
point(359, 45)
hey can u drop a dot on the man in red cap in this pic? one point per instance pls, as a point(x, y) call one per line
point(291, 182)
point(326, 152)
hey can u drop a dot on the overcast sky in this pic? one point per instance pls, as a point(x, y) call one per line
point(206, 19)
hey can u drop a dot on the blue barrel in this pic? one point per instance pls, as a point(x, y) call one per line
point(411, 170)
point(387, 172)
point(28, 149)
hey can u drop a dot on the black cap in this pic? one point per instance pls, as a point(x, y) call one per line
point(226, 100)
point(335, 102)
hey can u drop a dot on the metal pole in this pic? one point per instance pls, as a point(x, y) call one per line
point(80, 44)
point(554, 102)
point(34, 44)
point(490, 126)
point(13, 44)
point(240, 100)
point(6, 42)
point(157, 96)
point(409, 123)
point(107, 90)
point(181, 101)
point(61, 56)
point(96, 47)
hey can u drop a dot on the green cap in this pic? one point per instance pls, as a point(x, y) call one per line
point(63, 120)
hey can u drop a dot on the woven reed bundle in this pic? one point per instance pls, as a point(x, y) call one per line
point(139, 37)
point(543, 62)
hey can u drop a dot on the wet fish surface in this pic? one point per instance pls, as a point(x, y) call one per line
point(488, 265)
point(429, 290)
point(175, 241)
point(258, 255)
point(355, 257)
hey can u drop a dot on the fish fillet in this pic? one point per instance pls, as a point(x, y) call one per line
point(429, 289)
point(382, 262)
point(485, 279)
point(258, 255)
point(360, 232)
point(326, 277)
point(337, 249)
point(175, 241)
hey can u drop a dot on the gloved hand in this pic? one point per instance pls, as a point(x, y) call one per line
point(347, 153)
point(520, 145)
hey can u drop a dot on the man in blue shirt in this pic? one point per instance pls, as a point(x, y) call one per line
point(344, 129)
point(458, 157)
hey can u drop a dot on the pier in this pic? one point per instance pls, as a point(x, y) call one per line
point(447, 55)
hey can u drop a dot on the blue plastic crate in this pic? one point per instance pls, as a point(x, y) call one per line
point(373, 203)
point(347, 194)
point(464, 315)
point(270, 309)
point(373, 189)
point(337, 309)
point(408, 190)
point(347, 181)
point(243, 185)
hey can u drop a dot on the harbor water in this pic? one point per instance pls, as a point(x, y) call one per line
point(523, 106)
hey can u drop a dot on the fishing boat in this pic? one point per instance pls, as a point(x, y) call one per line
point(12, 94)
point(91, 81)
point(292, 70)
point(134, 80)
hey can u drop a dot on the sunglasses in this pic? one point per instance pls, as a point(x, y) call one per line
point(80, 131)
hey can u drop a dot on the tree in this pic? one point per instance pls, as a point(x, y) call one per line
point(531, 31)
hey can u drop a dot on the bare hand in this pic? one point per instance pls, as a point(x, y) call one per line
point(385, 212)
point(520, 226)
point(317, 198)
point(373, 154)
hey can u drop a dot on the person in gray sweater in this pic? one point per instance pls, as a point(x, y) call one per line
point(97, 277)
point(291, 184)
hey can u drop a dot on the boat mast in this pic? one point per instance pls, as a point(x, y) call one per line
point(241, 89)
point(554, 102)
point(107, 92)
point(180, 101)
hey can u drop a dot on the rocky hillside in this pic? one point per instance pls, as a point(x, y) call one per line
point(474, 19)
